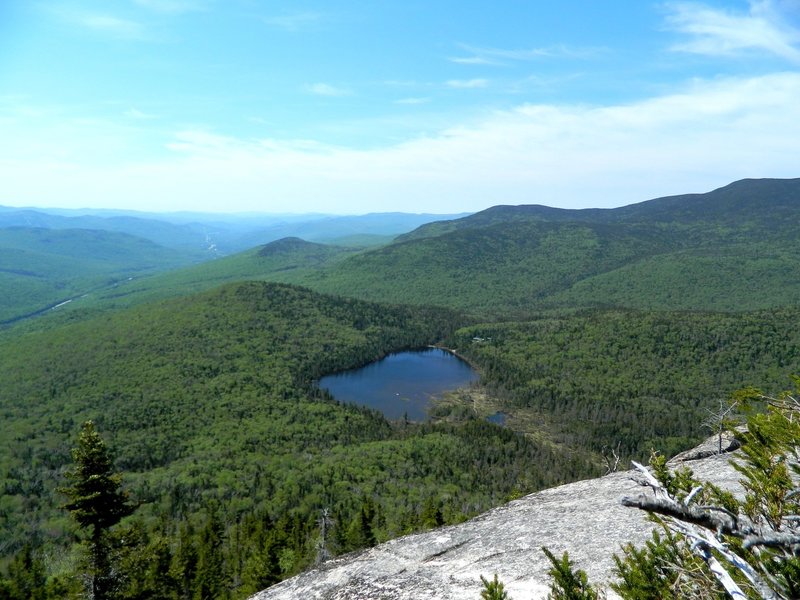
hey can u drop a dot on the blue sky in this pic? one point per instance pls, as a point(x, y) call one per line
point(352, 107)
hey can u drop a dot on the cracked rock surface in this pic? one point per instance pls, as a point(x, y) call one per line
point(584, 518)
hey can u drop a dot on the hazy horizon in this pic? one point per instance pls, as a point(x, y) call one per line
point(340, 108)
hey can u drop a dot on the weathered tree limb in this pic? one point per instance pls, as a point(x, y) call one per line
point(696, 490)
point(717, 521)
point(773, 540)
point(721, 575)
point(648, 476)
point(702, 543)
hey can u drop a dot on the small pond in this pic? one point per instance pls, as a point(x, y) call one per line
point(498, 418)
point(401, 384)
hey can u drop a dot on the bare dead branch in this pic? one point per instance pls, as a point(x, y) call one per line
point(649, 480)
point(773, 540)
point(722, 523)
point(696, 490)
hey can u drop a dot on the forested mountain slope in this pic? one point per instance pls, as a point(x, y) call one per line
point(502, 268)
point(209, 403)
point(731, 249)
point(631, 380)
point(187, 237)
point(763, 203)
point(280, 260)
point(42, 267)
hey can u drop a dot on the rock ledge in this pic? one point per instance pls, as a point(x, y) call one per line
point(584, 518)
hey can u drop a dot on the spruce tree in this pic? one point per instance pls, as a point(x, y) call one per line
point(27, 577)
point(210, 580)
point(493, 590)
point(568, 584)
point(97, 502)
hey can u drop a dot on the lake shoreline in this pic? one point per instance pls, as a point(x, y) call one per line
point(402, 385)
point(475, 367)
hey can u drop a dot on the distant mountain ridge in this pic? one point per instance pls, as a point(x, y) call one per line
point(731, 249)
point(190, 237)
point(35, 277)
point(210, 235)
point(724, 250)
point(332, 228)
point(743, 199)
point(43, 267)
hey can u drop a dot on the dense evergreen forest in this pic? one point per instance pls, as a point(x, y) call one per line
point(41, 267)
point(228, 448)
point(631, 380)
point(731, 249)
point(591, 330)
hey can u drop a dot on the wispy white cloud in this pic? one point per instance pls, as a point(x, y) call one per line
point(295, 21)
point(701, 137)
point(467, 83)
point(102, 23)
point(473, 60)
point(135, 113)
point(113, 26)
point(500, 56)
point(173, 6)
point(325, 89)
point(717, 32)
point(415, 100)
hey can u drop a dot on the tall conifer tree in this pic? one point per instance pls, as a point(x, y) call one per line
point(97, 502)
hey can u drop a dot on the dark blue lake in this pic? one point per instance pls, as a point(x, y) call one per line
point(401, 384)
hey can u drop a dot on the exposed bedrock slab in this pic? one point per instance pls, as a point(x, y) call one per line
point(584, 518)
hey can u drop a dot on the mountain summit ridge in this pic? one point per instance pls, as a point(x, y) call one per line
point(744, 197)
point(730, 249)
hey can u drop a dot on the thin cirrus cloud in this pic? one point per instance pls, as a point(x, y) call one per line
point(111, 26)
point(501, 56)
point(716, 32)
point(295, 21)
point(174, 7)
point(466, 84)
point(325, 89)
point(412, 101)
point(473, 60)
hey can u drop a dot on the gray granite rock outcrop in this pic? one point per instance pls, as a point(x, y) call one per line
point(584, 518)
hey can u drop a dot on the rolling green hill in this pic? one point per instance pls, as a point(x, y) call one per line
point(590, 328)
point(211, 235)
point(731, 249)
point(277, 261)
point(755, 204)
point(40, 268)
point(209, 403)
